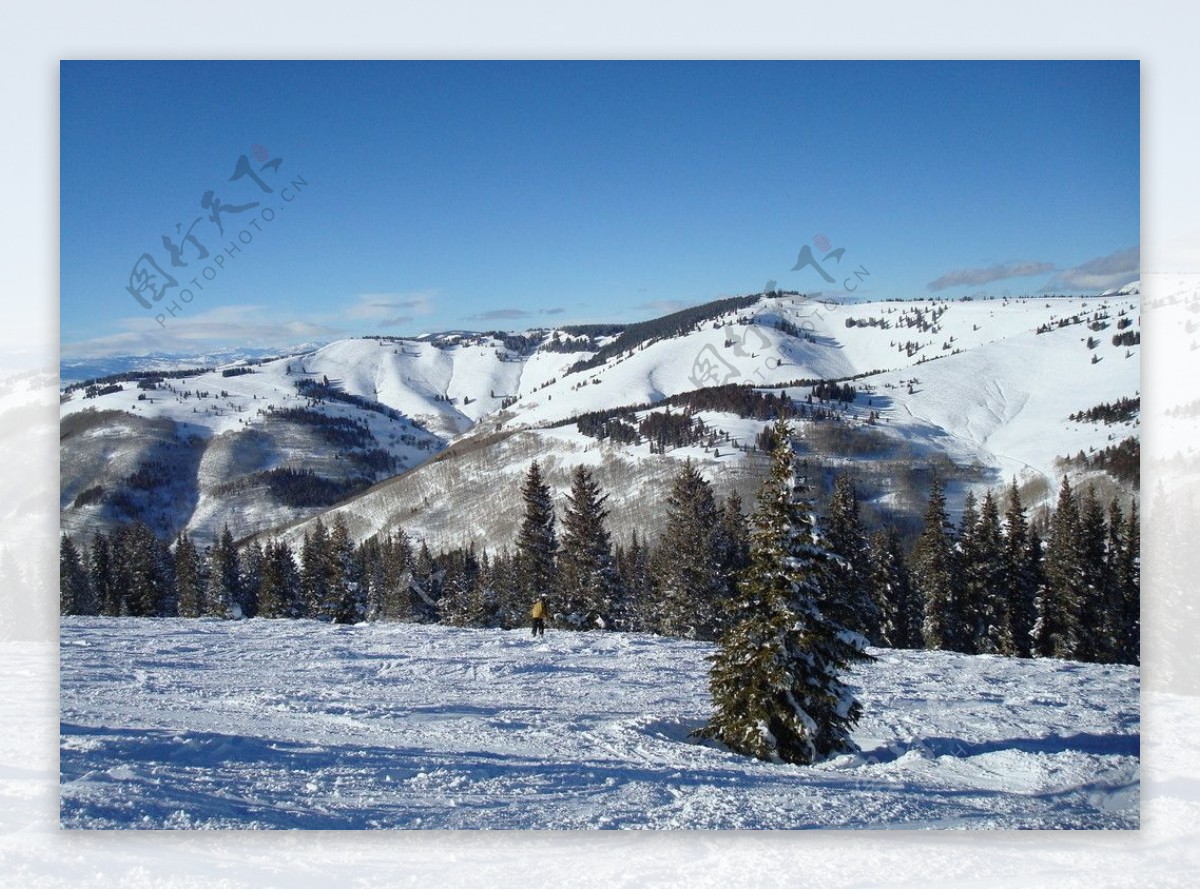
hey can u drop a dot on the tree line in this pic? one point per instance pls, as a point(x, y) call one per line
point(1063, 584)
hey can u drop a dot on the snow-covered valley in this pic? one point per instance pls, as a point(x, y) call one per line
point(171, 723)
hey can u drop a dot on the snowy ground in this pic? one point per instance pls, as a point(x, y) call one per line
point(286, 724)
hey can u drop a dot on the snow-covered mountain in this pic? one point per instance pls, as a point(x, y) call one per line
point(442, 427)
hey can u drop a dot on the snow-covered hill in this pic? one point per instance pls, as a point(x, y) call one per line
point(987, 384)
point(417, 726)
point(979, 386)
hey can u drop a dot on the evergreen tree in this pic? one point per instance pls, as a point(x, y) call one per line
point(935, 577)
point(774, 680)
point(969, 591)
point(141, 568)
point(345, 590)
point(1096, 580)
point(189, 586)
point(250, 567)
point(734, 539)
point(1056, 631)
point(1017, 559)
point(426, 579)
point(100, 575)
point(633, 566)
point(984, 584)
point(537, 541)
point(74, 589)
point(588, 578)
point(852, 607)
point(511, 609)
point(397, 562)
point(691, 587)
point(222, 595)
point(891, 590)
point(1120, 620)
point(279, 586)
point(315, 574)
point(1129, 585)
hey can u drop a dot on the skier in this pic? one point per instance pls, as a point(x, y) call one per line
point(538, 614)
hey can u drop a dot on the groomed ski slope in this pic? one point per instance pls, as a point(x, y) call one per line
point(173, 723)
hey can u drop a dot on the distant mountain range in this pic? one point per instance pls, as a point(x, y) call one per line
point(433, 433)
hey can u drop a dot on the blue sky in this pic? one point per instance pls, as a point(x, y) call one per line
point(428, 196)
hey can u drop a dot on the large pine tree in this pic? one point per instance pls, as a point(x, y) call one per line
point(891, 589)
point(100, 574)
point(223, 591)
point(936, 578)
point(775, 678)
point(141, 572)
point(1061, 595)
point(1095, 579)
point(588, 581)
point(852, 607)
point(189, 585)
point(691, 584)
point(74, 589)
point(1127, 569)
point(537, 542)
point(1018, 560)
point(985, 598)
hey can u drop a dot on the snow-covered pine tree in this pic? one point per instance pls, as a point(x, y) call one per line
point(189, 587)
point(935, 577)
point(537, 542)
point(851, 606)
point(1018, 566)
point(691, 587)
point(775, 678)
point(588, 582)
point(74, 590)
point(891, 588)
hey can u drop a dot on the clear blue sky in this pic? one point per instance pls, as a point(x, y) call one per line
point(514, 195)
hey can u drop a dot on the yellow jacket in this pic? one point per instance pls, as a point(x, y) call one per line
point(538, 610)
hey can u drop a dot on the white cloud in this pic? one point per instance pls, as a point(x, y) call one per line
point(385, 308)
point(988, 274)
point(257, 326)
point(1100, 274)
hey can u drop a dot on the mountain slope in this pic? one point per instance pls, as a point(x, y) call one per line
point(984, 387)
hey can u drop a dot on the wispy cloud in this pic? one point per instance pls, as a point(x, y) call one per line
point(387, 308)
point(1099, 274)
point(221, 327)
point(557, 310)
point(500, 315)
point(988, 274)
